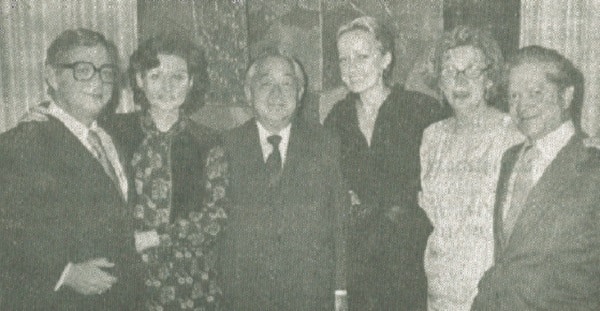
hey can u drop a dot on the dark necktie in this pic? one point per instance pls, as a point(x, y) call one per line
point(274, 160)
point(102, 157)
point(522, 185)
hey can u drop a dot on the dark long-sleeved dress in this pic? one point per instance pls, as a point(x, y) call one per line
point(389, 232)
point(178, 181)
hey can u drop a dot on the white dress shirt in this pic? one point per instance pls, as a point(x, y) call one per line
point(267, 148)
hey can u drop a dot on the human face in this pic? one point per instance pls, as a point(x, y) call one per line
point(166, 87)
point(273, 92)
point(83, 100)
point(536, 104)
point(361, 61)
point(462, 78)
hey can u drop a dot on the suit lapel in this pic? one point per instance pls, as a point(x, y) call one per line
point(73, 154)
point(124, 159)
point(546, 194)
point(508, 163)
point(253, 163)
point(253, 147)
point(297, 150)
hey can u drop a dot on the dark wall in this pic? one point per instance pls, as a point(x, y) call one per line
point(307, 29)
point(417, 24)
point(501, 18)
point(218, 26)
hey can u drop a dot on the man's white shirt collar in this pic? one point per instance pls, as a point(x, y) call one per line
point(550, 145)
point(553, 142)
point(77, 128)
point(266, 147)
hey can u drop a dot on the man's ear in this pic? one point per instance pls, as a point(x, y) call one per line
point(248, 93)
point(139, 80)
point(300, 92)
point(387, 60)
point(50, 75)
point(567, 96)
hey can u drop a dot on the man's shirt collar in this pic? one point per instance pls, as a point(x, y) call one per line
point(553, 142)
point(266, 147)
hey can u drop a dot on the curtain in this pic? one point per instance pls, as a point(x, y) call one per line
point(572, 27)
point(28, 26)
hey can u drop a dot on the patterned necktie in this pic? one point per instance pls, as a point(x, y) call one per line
point(274, 160)
point(522, 185)
point(100, 155)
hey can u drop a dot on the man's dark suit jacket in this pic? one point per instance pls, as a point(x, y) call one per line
point(284, 244)
point(57, 205)
point(552, 259)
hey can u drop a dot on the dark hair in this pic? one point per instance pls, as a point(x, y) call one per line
point(382, 34)
point(146, 58)
point(480, 39)
point(73, 38)
point(274, 53)
point(565, 75)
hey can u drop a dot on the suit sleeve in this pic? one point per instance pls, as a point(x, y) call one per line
point(568, 279)
point(558, 274)
point(30, 265)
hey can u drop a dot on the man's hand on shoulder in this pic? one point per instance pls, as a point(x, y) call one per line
point(37, 114)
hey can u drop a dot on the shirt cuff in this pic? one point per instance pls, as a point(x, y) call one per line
point(146, 239)
point(63, 275)
point(341, 292)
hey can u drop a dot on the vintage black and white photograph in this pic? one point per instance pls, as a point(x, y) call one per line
point(300, 155)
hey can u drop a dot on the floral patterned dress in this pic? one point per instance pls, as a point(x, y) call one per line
point(180, 272)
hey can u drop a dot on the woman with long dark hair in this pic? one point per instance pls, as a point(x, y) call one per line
point(178, 175)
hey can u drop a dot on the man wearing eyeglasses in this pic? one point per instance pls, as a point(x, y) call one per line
point(67, 239)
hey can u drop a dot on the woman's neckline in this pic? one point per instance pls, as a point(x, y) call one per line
point(491, 121)
point(164, 120)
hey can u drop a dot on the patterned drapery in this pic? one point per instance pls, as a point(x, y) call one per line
point(28, 26)
point(573, 28)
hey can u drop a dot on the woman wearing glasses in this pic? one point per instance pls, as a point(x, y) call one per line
point(178, 175)
point(460, 162)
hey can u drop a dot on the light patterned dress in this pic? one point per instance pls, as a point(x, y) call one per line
point(459, 175)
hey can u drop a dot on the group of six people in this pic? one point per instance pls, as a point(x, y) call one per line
point(396, 203)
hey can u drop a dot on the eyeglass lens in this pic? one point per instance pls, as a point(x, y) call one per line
point(469, 72)
point(83, 71)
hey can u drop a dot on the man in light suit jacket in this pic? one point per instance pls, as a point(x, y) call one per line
point(284, 243)
point(67, 237)
point(547, 217)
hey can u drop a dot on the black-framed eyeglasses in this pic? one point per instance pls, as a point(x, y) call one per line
point(84, 71)
point(471, 72)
